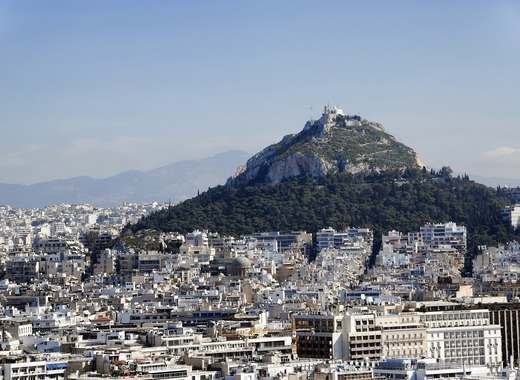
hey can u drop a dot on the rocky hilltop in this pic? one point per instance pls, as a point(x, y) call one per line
point(334, 143)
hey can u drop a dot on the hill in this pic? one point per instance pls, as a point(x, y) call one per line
point(382, 201)
point(176, 182)
point(340, 171)
point(335, 143)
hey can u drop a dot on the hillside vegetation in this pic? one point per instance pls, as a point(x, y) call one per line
point(383, 201)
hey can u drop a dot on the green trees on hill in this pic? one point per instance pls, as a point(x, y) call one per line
point(382, 202)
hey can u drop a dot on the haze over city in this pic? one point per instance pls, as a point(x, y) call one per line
point(96, 88)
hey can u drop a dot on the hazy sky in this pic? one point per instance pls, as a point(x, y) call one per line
point(99, 87)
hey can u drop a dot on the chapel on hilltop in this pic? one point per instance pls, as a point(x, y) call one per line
point(331, 113)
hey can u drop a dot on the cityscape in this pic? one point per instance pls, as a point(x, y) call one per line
point(250, 307)
point(295, 190)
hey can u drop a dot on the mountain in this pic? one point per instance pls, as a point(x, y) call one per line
point(335, 143)
point(176, 182)
point(340, 172)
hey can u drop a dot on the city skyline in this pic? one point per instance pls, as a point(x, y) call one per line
point(96, 88)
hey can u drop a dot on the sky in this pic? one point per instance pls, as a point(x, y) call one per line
point(95, 88)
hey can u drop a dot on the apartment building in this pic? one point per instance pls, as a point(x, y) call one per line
point(330, 238)
point(511, 215)
point(22, 269)
point(362, 338)
point(296, 240)
point(423, 369)
point(463, 336)
point(450, 234)
point(319, 336)
point(402, 335)
point(39, 370)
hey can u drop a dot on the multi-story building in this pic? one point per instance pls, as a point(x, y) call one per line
point(63, 263)
point(18, 327)
point(58, 248)
point(507, 315)
point(362, 339)
point(23, 269)
point(150, 261)
point(443, 331)
point(52, 320)
point(353, 336)
point(193, 255)
point(127, 262)
point(511, 215)
point(330, 238)
point(463, 337)
point(297, 240)
point(402, 335)
point(424, 369)
point(39, 370)
point(106, 262)
point(319, 336)
point(59, 228)
point(439, 234)
point(197, 238)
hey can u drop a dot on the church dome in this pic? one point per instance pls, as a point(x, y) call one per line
point(241, 262)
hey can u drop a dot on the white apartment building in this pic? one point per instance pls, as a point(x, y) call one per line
point(190, 255)
point(422, 369)
point(440, 234)
point(511, 214)
point(53, 320)
point(463, 337)
point(330, 238)
point(391, 255)
point(58, 248)
point(39, 370)
point(59, 228)
point(325, 238)
point(197, 238)
point(362, 339)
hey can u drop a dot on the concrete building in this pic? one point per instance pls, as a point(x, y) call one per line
point(439, 234)
point(411, 369)
point(362, 339)
point(511, 215)
point(39, 370)
point(402, 335)
point(319, 336)
point(507, 315)
point(330, 238)
point(464, 336)
point(20, 269)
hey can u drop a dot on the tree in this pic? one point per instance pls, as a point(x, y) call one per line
point(445, 172)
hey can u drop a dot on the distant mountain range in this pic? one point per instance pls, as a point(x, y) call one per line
point(175, 182)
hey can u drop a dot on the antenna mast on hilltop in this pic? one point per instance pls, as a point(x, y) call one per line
point(311, 119)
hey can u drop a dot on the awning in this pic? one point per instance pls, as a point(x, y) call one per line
point(55, 366)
